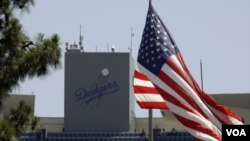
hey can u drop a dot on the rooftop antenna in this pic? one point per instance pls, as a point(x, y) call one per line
point(74, 47)
point(131, 39)
point(108, 47)
point(81, 39)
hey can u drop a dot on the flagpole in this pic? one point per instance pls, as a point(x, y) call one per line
point(150, 115)
point(150, 124)
point(201, 70)
point(131, 40)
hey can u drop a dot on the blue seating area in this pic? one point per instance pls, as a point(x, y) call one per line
point(95, 136)
point(86, 136)
point(96, 139)
point(174, 136)
point(29, 137)
point(108, 136)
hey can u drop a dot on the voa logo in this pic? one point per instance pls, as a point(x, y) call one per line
point(236, 132)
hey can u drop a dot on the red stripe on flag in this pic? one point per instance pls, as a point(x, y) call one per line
point(173, 99)
point(148, 101)
point(152, 105)
point(228, 114)
point(209, 100)
point(178, 89)
point(200, 128)
point(140, 76)
point(180, 71)
point(188, 123)
point(145, 90)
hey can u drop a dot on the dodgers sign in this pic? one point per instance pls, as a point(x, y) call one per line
point(101, 87)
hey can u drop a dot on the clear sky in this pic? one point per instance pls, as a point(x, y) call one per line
point(216, 31)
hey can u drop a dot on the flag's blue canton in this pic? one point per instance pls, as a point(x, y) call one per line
point(156, 45)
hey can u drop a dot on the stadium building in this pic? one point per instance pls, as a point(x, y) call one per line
point(99, 103)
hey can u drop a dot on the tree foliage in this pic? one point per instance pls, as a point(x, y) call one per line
point(7, 132)
point(20, 119)
point(20, 57)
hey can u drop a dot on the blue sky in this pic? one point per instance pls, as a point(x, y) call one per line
point(218, 32)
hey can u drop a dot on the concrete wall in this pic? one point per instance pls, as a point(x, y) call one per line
point(98, 92)
point(51, 124)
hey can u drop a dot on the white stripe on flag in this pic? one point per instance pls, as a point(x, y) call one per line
point(200, 135)
point(174, 76)
point(146, 94)
point(193, 117)
point(144, 83)
point(161, 84)
point(184, 113)
point(149, 97)
point(226, 118)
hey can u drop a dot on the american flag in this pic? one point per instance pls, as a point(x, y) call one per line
point(161, 61)
point(147, 96)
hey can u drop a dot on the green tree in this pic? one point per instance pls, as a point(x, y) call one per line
point(34, 123)
point(7, 132)
point(21, 118)
point(20, 57)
